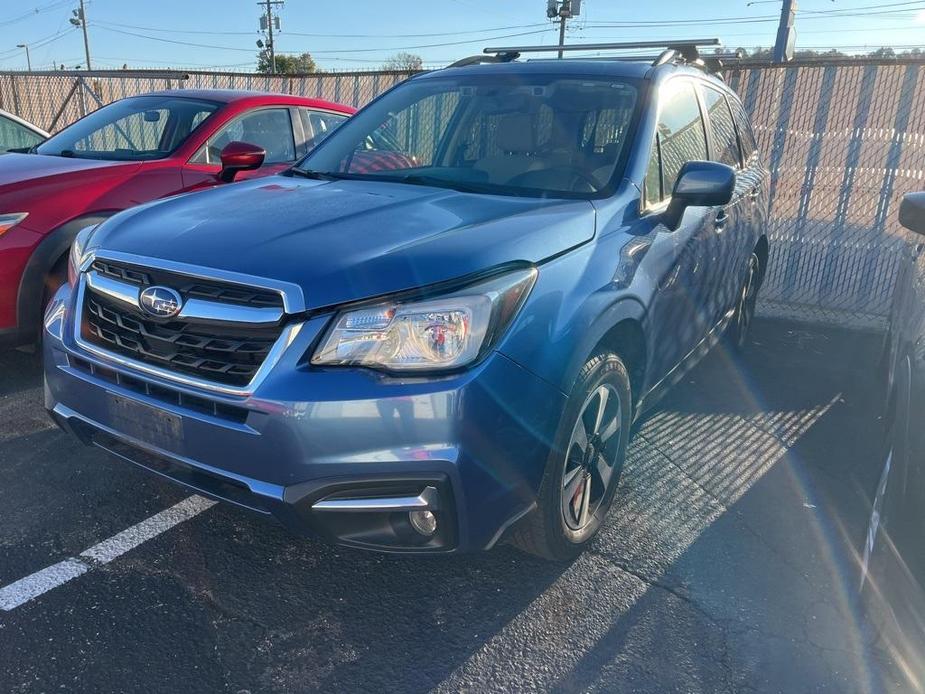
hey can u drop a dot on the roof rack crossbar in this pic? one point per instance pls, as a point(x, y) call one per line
point(671, 43)
point(655, 59)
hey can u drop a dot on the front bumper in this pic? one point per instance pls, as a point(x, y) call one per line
point(473, 445)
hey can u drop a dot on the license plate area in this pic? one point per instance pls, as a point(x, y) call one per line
point(143, 422)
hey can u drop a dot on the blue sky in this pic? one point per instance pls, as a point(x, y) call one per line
point(358, 34)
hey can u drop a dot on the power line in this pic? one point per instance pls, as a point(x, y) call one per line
point(39, 43)
point(813, 14)
point(38, 10)
point(323, 35)
point(327, 51)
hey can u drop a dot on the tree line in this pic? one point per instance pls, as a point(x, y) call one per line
point(304, 63)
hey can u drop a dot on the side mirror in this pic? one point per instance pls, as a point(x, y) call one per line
point(912, 212)
point(240, 156)
point(700, 184)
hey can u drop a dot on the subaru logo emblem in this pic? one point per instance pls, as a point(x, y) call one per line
point(161, 302)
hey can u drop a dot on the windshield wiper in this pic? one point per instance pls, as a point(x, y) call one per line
point(309, 173)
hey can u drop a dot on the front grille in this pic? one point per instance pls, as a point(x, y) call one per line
point(222, 292)
point(224, 354)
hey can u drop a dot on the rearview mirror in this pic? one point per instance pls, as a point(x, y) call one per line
point(240, 156)
point(912, 212)
point(700, 184)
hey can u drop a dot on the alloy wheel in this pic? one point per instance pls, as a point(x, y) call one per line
point(591, 456)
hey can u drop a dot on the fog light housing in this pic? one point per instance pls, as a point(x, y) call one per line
point(424, 522)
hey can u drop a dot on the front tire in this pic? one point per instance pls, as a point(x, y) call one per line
point(738, 332)
point(584, 468)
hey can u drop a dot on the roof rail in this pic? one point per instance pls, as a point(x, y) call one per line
point(683, 46)
point(501, 57)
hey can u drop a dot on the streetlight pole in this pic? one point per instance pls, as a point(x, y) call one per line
point(28, 60)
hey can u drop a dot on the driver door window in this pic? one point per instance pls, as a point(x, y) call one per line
point(268, 128)
point(681, 134)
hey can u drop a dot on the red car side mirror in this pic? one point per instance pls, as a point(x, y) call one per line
point(240, 156)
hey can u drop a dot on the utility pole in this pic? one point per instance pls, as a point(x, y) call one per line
point(266, 23)
point(28, 60)
point(786, 34)
point(562, 16)
point(563, 9)
point(80, 20)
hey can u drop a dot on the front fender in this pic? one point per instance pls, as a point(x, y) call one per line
point(574, 304)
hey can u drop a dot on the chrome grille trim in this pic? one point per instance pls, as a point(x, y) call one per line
point(193, 309)
point(293, 301)
point(120, 291)
point(293, 298)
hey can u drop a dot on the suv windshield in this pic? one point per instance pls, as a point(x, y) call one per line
point(505, 134)
point(134, 129)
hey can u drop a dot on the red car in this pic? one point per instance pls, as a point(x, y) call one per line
point(132, 151)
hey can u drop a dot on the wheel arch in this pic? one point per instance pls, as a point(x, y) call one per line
point(619, 329)
point(44, 259)
point(627, 340)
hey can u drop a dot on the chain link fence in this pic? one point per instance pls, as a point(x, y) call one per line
point(843, 141)
point(52, 100)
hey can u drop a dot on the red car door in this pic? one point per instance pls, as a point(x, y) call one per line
point(268, 127)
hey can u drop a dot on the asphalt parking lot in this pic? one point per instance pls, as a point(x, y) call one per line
point(727, 565)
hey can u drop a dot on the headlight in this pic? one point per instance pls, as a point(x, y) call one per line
point(11, 219)
point(75, 258)
point(441, 333)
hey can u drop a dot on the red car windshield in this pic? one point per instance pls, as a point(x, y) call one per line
point(134, 129)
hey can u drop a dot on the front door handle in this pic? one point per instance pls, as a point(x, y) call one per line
point(722, 218)
point(753, 194)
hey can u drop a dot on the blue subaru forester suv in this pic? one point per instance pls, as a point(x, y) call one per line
point(437, 329)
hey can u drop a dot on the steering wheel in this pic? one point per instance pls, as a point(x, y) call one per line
point(576, 175)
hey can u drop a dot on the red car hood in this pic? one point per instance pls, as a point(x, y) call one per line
point(20, 168)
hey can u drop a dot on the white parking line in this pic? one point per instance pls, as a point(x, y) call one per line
point(34, 585)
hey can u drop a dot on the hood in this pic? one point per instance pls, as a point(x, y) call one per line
point(18, 168)
point(343, 241)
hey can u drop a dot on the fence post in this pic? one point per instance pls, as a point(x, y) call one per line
point(82, 99)
point(15, 82)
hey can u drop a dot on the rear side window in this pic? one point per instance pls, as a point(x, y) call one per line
point(725, 143)
point(746, 136)
point(320, 123)
point(681, 134)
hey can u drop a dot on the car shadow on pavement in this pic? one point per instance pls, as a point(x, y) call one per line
point(725, 565)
